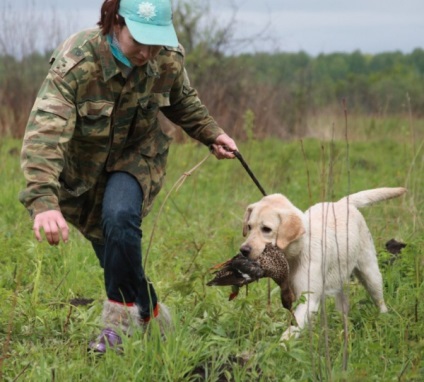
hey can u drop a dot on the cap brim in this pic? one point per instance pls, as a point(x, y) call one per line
point(148, 34)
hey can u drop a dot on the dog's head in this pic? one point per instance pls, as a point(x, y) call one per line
point(274, 219)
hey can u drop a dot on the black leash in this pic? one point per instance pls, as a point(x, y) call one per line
point(249, 171)
point(246, 167)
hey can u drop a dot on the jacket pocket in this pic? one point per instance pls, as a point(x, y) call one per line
point(157, 142)
point(146, 133)
point(147, 113)
point(55, 106)
point(146, 117)
point(71, 188)
point(94, 119)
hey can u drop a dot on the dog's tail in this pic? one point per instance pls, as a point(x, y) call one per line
point(368, 197)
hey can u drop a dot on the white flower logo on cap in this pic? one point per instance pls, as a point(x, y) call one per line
point(149, 21)
point(146, 10)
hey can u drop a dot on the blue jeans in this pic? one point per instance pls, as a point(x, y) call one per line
point(120, 256)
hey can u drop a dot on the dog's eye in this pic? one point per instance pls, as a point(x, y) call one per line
point(266, 230)
point(249, 227)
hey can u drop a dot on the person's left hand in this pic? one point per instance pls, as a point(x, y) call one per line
point(224, 147)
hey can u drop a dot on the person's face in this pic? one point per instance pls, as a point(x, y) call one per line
point(138, 54)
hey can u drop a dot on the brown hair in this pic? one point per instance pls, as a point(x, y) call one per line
point(109, 16)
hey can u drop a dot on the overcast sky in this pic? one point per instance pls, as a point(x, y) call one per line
point(314, 26)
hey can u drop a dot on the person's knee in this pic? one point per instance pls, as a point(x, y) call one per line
point(120, 220)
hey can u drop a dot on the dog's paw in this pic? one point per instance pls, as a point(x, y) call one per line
point(292, 332)
point(382, 307)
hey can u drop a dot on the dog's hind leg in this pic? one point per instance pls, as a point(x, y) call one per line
point(370, 277)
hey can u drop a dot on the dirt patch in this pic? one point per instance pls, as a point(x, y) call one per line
point(81, 301)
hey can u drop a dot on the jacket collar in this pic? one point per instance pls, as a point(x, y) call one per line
point(109, 65)
point(111, 68)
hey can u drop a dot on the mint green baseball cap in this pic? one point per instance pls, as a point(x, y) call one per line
point(149, 22)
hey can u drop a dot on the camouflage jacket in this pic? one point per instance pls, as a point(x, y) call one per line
point(89, 119)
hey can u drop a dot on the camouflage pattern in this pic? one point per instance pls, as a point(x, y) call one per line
point(90, 119)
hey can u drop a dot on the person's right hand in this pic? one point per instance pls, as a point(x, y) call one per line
point(53, 225)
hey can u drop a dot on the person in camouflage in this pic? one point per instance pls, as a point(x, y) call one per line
point(94, 154)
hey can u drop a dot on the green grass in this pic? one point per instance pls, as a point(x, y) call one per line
point(44, 338)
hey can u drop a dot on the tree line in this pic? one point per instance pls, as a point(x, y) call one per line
point(272, 91)
point(251, 95)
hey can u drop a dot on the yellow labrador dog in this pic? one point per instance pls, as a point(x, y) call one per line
point(324, 247)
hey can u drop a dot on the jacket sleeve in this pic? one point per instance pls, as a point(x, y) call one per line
point(187, 110)
point(50, 126)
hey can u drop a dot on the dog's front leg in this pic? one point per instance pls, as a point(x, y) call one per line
point(303, 314)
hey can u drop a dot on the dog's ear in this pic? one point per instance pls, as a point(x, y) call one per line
point(290, 229)
point(246, 218)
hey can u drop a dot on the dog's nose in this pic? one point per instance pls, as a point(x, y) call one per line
point(245, 250)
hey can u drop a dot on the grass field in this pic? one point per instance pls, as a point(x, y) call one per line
point(44, 331)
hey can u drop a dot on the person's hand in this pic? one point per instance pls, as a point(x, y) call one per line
point(54, 226)
point(223, 147)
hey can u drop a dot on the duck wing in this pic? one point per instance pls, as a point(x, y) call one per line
point(238, 271)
